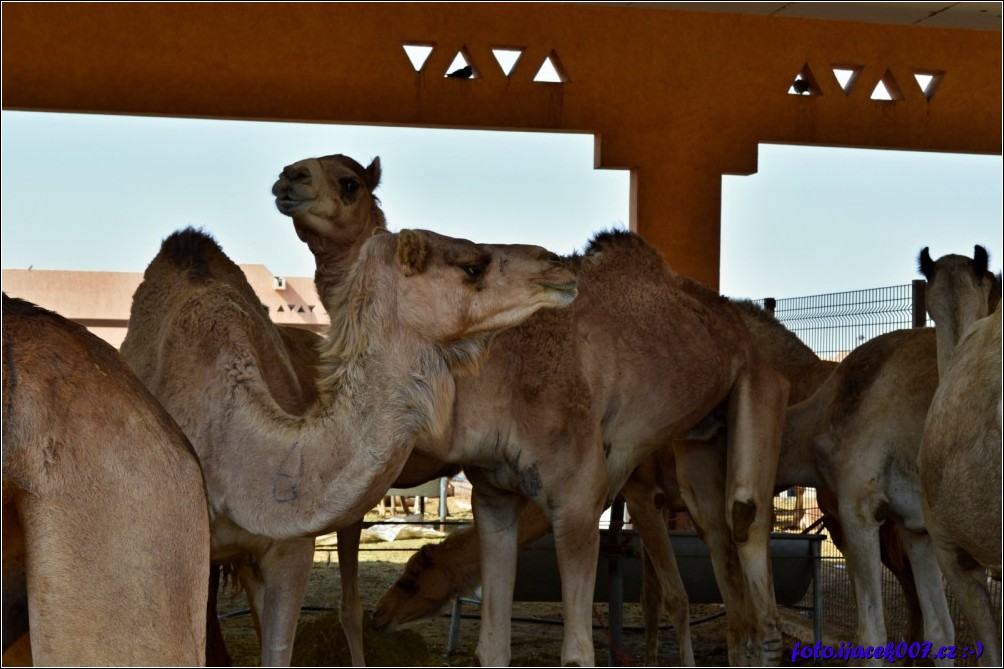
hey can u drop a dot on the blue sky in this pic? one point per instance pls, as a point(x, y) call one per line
point(99, 193)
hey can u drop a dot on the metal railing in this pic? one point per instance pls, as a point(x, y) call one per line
point(833, 324)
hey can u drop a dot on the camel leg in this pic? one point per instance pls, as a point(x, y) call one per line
point(938, 626)
point(351, 610)
point(661, 582)
point(968, 581)
point(700, 472)
point(798, 517)
point(860, 517)
point(894, 556)
point(15, 580)
point(577, 543)
point(217, 654)
point(756, 417)
point(254, 587)
point(495, 515)
point(285, 570)
point(651, 606)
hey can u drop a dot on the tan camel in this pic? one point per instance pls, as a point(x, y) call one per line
point(105, 519)
point(437, 574)
point(960, 472)
point(568, 388)
point(415, 307)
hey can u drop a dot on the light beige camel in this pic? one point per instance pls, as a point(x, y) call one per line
point(577, 387)
point(414, 308)
point(960, 473)
point(104, 505)
point(358, 215)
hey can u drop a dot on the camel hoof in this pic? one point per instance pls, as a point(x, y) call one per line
point(772, 652)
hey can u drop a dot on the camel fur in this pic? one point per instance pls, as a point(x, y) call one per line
point(410, 316)
point(105, 518)
point(960, 474)
point(568, 404)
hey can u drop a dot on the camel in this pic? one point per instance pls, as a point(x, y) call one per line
point(414, 308)
point(960, 473)
point(864, 426)
point(561, 394)
point(440, 572)
point(105, 518)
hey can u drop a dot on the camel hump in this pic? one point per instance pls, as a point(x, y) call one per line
point(13, 306)
point(626, 250)
point(614, 239)
point(194, 251)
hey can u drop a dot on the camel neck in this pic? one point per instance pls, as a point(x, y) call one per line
point(325, 470)
point(947, 334)
point(333, 263)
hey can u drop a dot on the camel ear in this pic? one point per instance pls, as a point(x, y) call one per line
point(926, 264)
point(412, 252)
point(981, 261)
point(373, 174)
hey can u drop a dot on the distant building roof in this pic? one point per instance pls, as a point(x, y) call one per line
point(101, 301)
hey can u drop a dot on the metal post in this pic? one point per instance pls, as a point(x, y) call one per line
point(817, 590)
point(616, 589)
point(769, 305)
point(919, 303)
point(443, 488)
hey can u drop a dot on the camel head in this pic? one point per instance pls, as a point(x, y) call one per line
point(448, 293)
point(330, 200)
point(423, 590)
point(453, 289)
point(960, 291)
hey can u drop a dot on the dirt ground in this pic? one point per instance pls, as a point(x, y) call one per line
point(536, 630)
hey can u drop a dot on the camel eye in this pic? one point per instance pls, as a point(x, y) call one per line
point(475, 271)
point(349, 186)
point(409, 587)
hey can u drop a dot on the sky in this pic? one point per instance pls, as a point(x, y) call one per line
point(89, 192)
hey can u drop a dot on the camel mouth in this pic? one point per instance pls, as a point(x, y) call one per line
point(383, 628)
point(291, 207)
point(568, 286)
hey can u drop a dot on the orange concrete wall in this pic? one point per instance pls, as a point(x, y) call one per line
point(680, 98)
